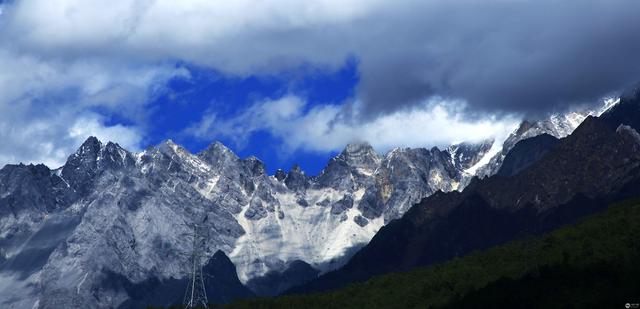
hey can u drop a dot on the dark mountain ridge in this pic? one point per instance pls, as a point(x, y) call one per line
point(525, 153)
point(596, 165)
point(590, 264)
point(111, 211)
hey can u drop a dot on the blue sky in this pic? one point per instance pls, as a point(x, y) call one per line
point(185, 100)
point(295, 81)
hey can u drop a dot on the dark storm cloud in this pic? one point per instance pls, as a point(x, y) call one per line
point(521, 56)
point(509, 56)
point(500, 56)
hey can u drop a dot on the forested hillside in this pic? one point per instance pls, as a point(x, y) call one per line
point(591, 264)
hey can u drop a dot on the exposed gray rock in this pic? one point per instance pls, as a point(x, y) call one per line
point(342, 205)
point(558, 126)
point(296, 180)
point(302, 202)
point(360, 220)
point(256, 211)
point(108, 213)
point(280, 175)
point(324, 202)
point(219, 156)
point(464, 155)
point(351, 168)
point(256, 166)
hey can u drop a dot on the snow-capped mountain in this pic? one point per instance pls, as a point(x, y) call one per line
point(556, 125)
point(594, 167)
point(110, 213)
point(465, 155)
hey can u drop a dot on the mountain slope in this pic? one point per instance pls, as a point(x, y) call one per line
point(585, 171)
point(109, 211)
point(626, 110)
point(556, 125)
point(221, 282)
point(525, 153)
point(109, 219)
point(590, 264)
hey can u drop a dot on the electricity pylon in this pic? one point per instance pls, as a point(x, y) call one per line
point(196, 294)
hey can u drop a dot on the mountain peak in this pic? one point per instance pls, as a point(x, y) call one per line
point(296, 179)
point(90, 145)
point(354, 148)
point(217, 153)
point(169, 142)
point(626, 111)
point(93, 156)
point(169, 147)
point(219, 145)
point(81, 166)
point(296, 169)
point(87, 152)
point(360, 155)
point(466, 154)
point(589, 126)
point(255, 165)
point(524, 126)
point(112, 147)
point(91, 140)
point(280, 174)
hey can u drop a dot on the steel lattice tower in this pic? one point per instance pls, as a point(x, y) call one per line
point(196, 294)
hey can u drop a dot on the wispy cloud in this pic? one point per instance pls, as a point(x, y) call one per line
point(325, 128)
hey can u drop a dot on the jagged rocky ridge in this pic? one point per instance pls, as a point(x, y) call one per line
point(65, 234)
point(597, 164)
point(557, 125)
point(108, 213)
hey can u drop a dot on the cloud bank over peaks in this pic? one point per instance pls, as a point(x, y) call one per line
point(325, 128)
point(520, 56)
point(68, 61)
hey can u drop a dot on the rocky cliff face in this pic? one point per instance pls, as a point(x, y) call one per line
point(321, 220)
point(109, 222)
point(556, 125)
point(108, 213)
point(582, 173)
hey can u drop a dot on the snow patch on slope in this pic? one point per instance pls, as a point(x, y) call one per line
point(312, 234)
point(496, 147)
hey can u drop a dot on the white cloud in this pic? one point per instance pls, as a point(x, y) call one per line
point(51, 139)
point(238, 37)
point(509, 55)
point(93, 125)
point(45, 105)
point(324, 128)
point(60, 59)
